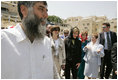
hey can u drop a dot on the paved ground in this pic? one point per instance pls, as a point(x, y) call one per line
point(63, 77)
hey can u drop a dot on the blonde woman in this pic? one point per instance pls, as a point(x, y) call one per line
point(73, 53)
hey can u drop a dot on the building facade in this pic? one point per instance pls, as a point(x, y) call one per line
point(9, 14)
point(91, 24)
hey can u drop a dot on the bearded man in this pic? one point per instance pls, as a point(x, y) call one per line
point(25, 50)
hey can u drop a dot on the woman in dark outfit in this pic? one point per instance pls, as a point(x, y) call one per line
point(73, 53)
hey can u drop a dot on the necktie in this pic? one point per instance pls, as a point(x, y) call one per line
point(73, 41)
point(108, 41)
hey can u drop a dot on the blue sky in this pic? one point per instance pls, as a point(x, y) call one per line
point(65, 9)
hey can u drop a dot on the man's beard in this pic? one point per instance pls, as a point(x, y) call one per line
point(33, 27)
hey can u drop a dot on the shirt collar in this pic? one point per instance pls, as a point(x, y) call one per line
point(20, 35)
point(106, 32)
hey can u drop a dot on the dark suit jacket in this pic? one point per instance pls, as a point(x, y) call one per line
point(114, 56)
point(113, 38)
point(73, 52)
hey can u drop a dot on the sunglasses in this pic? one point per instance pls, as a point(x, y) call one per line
point(104, 27)
point(56, 29)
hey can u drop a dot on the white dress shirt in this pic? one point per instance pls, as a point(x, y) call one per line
point(105, 44)
point(21, 59)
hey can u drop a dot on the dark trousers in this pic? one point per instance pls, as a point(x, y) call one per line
point(106, 61)
point(70, 66)
point(114, 76)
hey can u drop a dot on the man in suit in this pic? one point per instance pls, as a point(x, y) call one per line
point(107, 38)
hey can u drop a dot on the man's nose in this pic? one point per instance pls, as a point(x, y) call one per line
point(45, 15)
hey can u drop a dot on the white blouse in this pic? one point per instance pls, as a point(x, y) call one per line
point(56, 42)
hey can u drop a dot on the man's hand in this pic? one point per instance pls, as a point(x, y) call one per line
point(116, 72)
point(78, 64)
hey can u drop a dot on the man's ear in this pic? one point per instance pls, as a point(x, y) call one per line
point(24, 10)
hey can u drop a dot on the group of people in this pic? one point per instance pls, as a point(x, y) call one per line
point(31, 54)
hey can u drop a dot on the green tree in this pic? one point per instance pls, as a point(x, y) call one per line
point(54, 20)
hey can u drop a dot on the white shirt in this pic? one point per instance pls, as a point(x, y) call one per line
point(21, 59)
point(56, 46)
point(105, 44)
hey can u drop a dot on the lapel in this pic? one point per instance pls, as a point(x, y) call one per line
point(60, 43)
point(111, 34)
point(103, 36)
point(112, 37)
